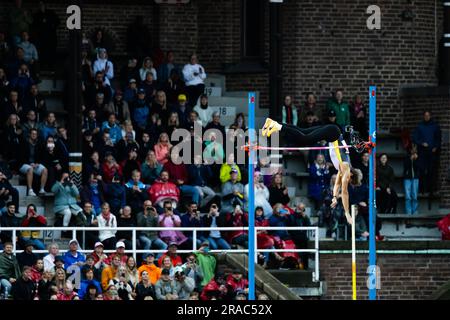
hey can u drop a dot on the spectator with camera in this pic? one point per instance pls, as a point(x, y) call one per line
point(35, 101)
point(110, 168)
point(149, 218)
point(33, 219)
point(237, 218)
point(193, 270)
point(216, 289)
point(232, 192)
point(192, 219)
point(261, 194)
point(194, 75)
point(115, 132)
point(183, 285)
point(66, 194)
point(214, 237)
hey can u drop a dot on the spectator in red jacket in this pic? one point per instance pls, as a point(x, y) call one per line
point(110, 167)
point(216, 289)
point(33, 219)
point(179, 176)
point(237, 218)
point(67, 294)
point(172, 253)
point(236, 283)
point(164, 190)
point(120, 251)
point(37, 270)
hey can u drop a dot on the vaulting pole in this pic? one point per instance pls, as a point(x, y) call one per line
point(251, 197)
point(354, 212)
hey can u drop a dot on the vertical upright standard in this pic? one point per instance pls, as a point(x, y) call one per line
point(372, 187)
point(251, 196)
point(354, 213)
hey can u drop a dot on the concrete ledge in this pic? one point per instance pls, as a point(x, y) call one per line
point(443, 293)
point(263, 279)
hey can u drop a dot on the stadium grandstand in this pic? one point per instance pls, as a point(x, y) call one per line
point(95, 203)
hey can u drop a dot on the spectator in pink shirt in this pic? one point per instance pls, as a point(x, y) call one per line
point(162, 148)
point(169, 220)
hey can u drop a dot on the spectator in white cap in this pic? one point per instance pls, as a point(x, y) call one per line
point(120, 252)
point(73, 256)
point(130, 92)
point(99, 256)
point(107, 220)
point(183, 285)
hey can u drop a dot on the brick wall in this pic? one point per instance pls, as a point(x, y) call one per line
point(327, 45)
point(403, 276)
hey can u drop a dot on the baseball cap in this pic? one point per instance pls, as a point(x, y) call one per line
point(234, 170)
point(141, 91)
point(173, 243)
point(132, 80)
point(178, 269)
point(331, 113)
point(120, 244)
point(165, 272)
point(98, 243)
point(205, 244)
point(72, 241)
point(182, 97)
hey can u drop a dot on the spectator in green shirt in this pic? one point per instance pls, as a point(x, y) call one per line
point(207, 263)
point(341, 109)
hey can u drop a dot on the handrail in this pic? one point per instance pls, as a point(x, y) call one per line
point(194, 230)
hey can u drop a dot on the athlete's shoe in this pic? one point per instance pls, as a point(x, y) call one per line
point(270, 126)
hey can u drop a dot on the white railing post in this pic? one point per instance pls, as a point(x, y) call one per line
point(14, 236)
point(256, 246)
point(134, 243)
point(194, 240)
point(316, 247)
point(74, 234)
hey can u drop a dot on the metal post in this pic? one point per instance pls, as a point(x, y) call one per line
point(134, 243)
point(194, 239)
point(14, 236)
point(316, 246)
point(354, 213)
point(251, 197)
point(74, 235)
point(372, 187)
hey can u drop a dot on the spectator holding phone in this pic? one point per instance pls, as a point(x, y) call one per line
point(149, 218)
point(66, 194)
point(215, 219)
point(195, 76)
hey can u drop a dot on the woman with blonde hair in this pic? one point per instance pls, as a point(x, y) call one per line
point(173, 123)
point(131, 272)
point(127, 127)
point(150, 169)
point(162, 148)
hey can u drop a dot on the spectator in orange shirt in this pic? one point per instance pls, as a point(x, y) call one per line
point(154, 273)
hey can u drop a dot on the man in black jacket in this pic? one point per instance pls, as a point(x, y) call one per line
point(29, 161)
point(300, 238)
point(24, 288)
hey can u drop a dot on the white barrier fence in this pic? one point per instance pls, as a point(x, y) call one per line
point(312, 232)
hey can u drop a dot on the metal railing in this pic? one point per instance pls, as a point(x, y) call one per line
point(312, 231)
